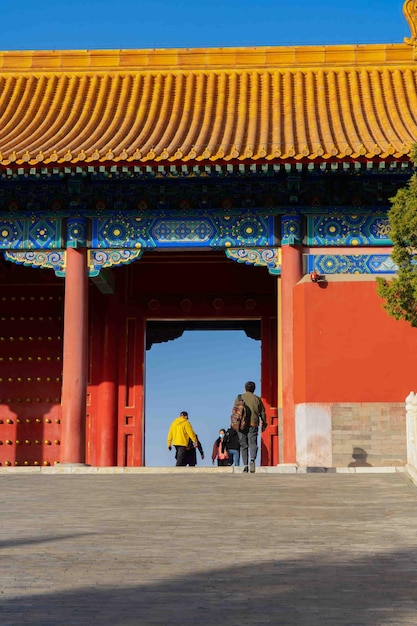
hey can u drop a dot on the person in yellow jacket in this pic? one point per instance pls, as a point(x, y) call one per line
point(179, 434)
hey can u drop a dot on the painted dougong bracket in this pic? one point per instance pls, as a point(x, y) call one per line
point(98, 260)
point(45, 259)
point(265, 257)
point(102, 259)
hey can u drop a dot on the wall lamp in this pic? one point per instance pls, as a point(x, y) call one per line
point(315, 277)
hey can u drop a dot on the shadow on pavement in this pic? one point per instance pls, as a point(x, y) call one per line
point(377, 591)
point(33, 541)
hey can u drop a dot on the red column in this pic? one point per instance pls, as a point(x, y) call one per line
point(107, 396)
point(291, 272)
point(269, 378)
point(131, 397)
point(74, 374)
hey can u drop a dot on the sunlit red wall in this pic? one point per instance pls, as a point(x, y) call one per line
point(347, 347)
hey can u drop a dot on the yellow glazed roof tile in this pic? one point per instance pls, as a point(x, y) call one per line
point(207, 105)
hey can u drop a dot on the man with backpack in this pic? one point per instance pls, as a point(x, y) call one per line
point(248, 436)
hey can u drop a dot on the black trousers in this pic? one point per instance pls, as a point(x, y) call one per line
point(181, 456)
point(191, 457)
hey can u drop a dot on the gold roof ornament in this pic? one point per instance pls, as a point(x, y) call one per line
point(410, 14)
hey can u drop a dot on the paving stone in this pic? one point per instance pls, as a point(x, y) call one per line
point(180, 548)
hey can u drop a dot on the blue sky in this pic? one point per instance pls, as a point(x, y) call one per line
point(92, 24)
point(200, 372)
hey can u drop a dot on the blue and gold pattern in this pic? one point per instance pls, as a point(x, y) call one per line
point(76, 232)
point(248, 236)
point(29, 234)
point(291, 230)
point(172, 229)
point(348, 230)
point(183, 230)
point(351, 264)
point(227, 229)
point(53, 259)
point(11, 234)
point(266, 257)
point(99, 259)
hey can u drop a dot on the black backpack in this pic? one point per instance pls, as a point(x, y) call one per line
point(238, 418)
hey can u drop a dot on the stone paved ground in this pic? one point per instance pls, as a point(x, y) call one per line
point(214, 549)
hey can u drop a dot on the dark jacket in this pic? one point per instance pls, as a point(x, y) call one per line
point(256, 409)
point(191, 454)
point(190, 447)
point(232, 440)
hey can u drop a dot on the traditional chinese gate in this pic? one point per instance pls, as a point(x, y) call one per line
point(115, 164)
point(158, 297)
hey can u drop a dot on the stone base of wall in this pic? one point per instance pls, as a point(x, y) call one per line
point(313, 435)
point(351, 435)
point(368, 434)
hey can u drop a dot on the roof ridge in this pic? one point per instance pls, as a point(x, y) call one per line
point(213, 58)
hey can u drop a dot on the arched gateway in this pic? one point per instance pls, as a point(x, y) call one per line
point(143, 191)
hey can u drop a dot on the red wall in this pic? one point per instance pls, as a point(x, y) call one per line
point(347, 348)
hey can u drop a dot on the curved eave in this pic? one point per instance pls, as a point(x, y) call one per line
point(246, 106)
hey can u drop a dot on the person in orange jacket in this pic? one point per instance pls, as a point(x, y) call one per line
point(219, 450)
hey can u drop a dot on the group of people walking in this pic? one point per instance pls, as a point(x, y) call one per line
point(226, 448)
point(230, 443)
